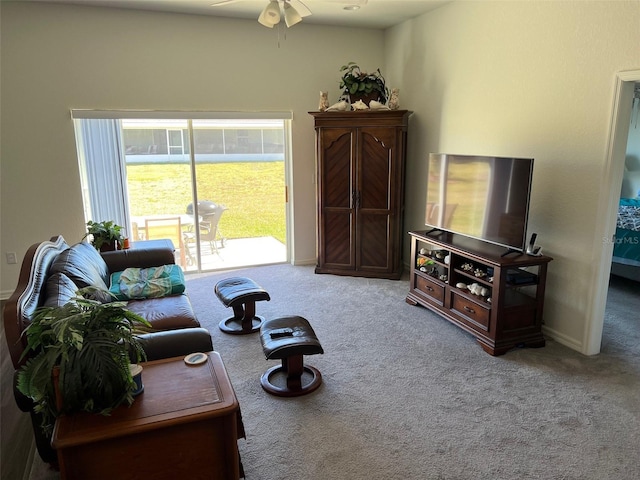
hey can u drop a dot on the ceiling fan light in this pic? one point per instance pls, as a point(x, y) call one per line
point(270, 16)
point(291, 15)
point(263, 20)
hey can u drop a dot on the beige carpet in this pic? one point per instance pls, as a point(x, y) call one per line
point(407, 395)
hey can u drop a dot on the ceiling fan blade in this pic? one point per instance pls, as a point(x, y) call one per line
point(300, 7)
point(224, 2)
point(348, 2)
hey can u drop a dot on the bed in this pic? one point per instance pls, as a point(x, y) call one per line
point(626, 248)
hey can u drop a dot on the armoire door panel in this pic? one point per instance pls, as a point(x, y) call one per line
point(337, 239)
point(336, 177)
point(374, 242)
point(375, 172)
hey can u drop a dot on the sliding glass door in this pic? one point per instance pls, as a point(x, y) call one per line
point(158, 182)
point(241, 191)
point(216, 187)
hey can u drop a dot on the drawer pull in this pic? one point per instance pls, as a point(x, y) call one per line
point(429, 288)
point(469, 309)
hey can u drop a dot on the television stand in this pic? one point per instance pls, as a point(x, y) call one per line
point(503, 309)
point(510, 251)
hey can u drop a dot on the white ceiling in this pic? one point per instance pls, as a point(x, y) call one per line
point(373, 14)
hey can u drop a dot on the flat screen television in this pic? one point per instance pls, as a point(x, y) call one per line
point(485, 198)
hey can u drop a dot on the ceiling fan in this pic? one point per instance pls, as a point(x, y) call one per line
point(292, 10)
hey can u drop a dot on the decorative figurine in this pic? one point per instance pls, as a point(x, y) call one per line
point(375, 105)
point(324, 101)
point(360, 105)
point(341, 106)
point(479, 273)
point(394, 99)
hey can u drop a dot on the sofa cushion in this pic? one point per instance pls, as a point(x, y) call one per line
point(59, 290)
point(166, 313)
point(83, 265)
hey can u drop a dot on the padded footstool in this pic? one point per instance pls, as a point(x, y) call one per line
point(288, 339)
point(242, 294)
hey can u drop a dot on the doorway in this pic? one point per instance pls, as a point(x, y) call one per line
point(608, 204)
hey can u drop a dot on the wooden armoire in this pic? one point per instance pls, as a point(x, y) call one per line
point(360, 158)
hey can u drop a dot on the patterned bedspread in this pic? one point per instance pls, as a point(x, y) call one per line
point(629, 217)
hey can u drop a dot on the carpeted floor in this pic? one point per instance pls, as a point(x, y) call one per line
point(407, 395)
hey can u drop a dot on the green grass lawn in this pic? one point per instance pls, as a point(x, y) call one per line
point(253, 192)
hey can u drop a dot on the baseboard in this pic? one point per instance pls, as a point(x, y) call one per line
point(563, 339)
point(5, 294)
point(302, 263)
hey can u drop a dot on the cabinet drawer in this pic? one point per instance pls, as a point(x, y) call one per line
point(429, 288)
point(476, 314)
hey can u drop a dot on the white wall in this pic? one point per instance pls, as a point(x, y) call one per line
point(58, 57)
point(531, 79)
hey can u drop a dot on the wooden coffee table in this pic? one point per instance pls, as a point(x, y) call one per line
point(185, 424)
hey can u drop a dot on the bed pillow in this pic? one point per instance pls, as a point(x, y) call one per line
point(630, 185)
point(152, 282)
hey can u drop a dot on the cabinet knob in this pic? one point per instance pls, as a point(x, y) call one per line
point(469, 309)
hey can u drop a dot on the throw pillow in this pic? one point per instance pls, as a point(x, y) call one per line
point(59, 290)
point(152, 282)
point(83, 265)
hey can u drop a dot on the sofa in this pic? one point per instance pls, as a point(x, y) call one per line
point(52, 272)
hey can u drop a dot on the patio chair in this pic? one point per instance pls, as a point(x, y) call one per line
point(171, 228)
point(210, 214)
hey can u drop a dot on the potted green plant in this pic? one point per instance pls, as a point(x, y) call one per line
point(80, 357)
point(105, 235)
point(360, 85)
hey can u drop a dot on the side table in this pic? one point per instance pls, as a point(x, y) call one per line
point(185, 424)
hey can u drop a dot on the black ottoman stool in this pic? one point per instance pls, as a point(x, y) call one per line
point(242, 294)
point(288, 339)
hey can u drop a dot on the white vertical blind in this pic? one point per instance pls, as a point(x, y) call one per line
point(103, 170)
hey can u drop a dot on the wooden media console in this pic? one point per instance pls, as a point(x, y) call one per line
point(503, 308)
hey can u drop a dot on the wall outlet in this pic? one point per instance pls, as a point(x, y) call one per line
point(11, 257)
